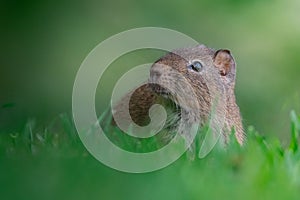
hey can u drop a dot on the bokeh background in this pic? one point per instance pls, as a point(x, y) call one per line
point(44, 42)
point(42, 45)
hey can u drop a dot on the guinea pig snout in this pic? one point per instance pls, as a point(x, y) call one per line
point(155, 74)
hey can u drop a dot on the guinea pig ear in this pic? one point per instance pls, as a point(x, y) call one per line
point(224, 61)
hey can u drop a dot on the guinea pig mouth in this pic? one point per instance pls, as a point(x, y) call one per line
point(160, 90)
point(169, 97)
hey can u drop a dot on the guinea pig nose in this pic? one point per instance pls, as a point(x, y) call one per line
point(155, 73)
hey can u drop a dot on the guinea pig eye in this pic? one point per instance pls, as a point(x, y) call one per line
point(196, 66)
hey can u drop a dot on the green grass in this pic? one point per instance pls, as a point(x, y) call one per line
point(51, 163)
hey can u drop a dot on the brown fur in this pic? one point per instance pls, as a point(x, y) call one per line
point(216, 79)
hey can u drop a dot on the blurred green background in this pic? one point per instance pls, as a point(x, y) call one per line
point(44, 42)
